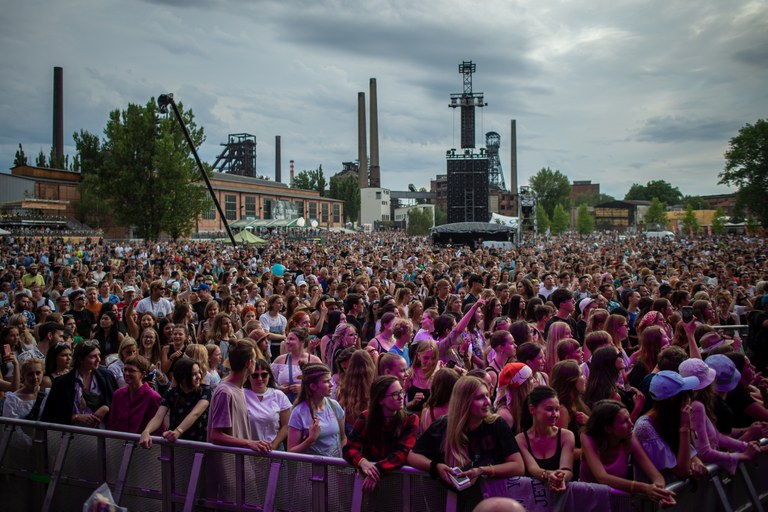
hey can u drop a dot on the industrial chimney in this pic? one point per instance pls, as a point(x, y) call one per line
point(375, 169)
point(513, 158)
point(58, 118)
point(362, 158)
point(291, 171)
point(278, 165)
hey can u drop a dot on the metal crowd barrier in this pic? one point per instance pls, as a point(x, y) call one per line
point(56, 467)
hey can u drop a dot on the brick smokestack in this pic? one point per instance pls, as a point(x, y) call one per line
point(375, 169)
point(291, 171)
point(278, 164)
point(58, 117)
point(513, 158)
point(362, 142)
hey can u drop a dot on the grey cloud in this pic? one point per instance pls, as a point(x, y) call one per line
point(675, 129)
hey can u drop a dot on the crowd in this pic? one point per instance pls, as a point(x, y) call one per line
point(564, 359)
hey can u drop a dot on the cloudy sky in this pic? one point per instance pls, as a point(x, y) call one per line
point(610, 91)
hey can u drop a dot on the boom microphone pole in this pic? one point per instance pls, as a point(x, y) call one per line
point(162, 102)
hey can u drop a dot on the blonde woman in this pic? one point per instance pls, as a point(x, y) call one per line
point(557, 331)
point(354, 388)
point(469, 438)
point(418, 381)
point(515, 383)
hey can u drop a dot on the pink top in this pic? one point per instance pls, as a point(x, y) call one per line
point(618, 467)
point(709, 442)
point(132, 416)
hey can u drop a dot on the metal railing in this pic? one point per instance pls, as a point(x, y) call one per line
point(56, 467)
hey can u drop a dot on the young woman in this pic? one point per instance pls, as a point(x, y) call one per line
point(569, 383)
point(534, 356)
point(58, 361)
point(418, 382)
point(84, 395)
point(569, 348)
point(316, 425)
point(557, 331)
point(344, 336)
point(653, 340)
point(547, 449)
point(268, 408)
point(665, 432)
point(605, 367)
point(135, 404)
point(469, 438)
point(335, 318)
point(221, 332)
point(287, 368)
point(149, 347)
point(607, 445)
point(440, 390)
point(213, 377)
point(384, 340)
point(515, 383)
point(170, 354)
point(187, 403)
point(209, 313)
point(108, 334)
point(618, 327)
point(381, 436)
point(473, 338)
point(352, 393)
point(28, 401)
point(402, 331)
point(128, 348)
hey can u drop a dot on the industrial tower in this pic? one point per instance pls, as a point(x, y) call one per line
point(495, 175)
point(238, 156)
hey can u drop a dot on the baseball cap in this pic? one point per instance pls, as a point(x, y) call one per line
point(713, 340)
point(514, 375)
point(728, 376)
point(667, 384)
point(203, 287)
point(694, 367)
point(129, 288)
point(585, 302)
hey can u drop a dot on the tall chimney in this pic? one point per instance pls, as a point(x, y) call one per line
point(291, 173)
point(375, 169)
point(513, 158)
point(278, 165)
point(58, 117)
point(362, 158)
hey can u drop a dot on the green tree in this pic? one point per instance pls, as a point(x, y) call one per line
point(585, 222)
point(40, 161)
point(20, 158)
point(560, 220)
point(697, 202)
point(419, 221)
point(542, 220)
point(718, 222)
point(690, 223)
point(659, 189)
point(656, 216)
point(346, 189)
point(422, 201)
point(142, 172)
point(310, 180)
point(753, 225)
point(551, 188)
point(746, 167)
point(441, 216)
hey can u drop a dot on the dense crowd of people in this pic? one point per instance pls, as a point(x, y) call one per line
point(561, 360)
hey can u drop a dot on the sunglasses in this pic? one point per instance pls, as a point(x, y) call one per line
point(260, 375)
point(91, 343)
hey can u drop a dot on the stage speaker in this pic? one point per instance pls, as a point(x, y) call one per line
point(468, 189)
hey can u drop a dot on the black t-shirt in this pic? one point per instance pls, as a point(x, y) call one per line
point(724, 416)
point(490, 443)
point(180, 404)
point(570, 321)
point(738, 400)
point(84, 320)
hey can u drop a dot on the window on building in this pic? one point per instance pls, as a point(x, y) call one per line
point(378, 195)
point(250, 207)
point(230, 207)
point(210, 213)
point(324, 220)
point(267, 208)
point(336, 213)
point(313, 210)
point(300, 208)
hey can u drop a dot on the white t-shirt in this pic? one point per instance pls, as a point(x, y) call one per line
point(160, 309)
point(272, 324)
point(264, 412)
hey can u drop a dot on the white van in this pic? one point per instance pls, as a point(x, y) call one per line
point(666, 235)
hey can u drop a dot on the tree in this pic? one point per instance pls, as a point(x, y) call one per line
point(585, 222)
point(346, 188)
point(718, 222)
point(142, 174)
point(746, 167)
point(20, 158)
point(697, 202)
point(419, 221)
point(551, 188)
point(659, 189)
point(656, 216)
point(560, 221)
point(40, 160)
point(595, 199)
point(542, 220)
point(441, 216)
point(690, 223)
point(310, 180)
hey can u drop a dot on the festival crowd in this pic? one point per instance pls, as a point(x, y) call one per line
point(605, 360)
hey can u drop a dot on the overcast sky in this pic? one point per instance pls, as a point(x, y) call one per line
point(615, 92)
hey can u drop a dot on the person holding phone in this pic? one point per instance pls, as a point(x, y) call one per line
point(469, 442)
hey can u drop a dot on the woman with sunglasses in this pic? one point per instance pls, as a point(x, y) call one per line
point(382, 436)
point(84, 395)
point(268, 408)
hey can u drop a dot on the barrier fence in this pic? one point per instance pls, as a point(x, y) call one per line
point(56, 467)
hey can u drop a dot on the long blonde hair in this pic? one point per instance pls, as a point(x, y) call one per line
point(354, 389)
point(514, 399)
point(199, 354)
point(557, 331)
point(423, 346)
point(456, 441)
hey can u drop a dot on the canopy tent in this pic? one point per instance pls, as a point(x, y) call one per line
point(245, 237)
point(471, 233)
point(268, 223)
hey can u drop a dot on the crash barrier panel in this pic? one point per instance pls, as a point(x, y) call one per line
point(56, 467)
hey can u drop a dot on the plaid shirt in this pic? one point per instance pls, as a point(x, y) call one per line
point(388, 456)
